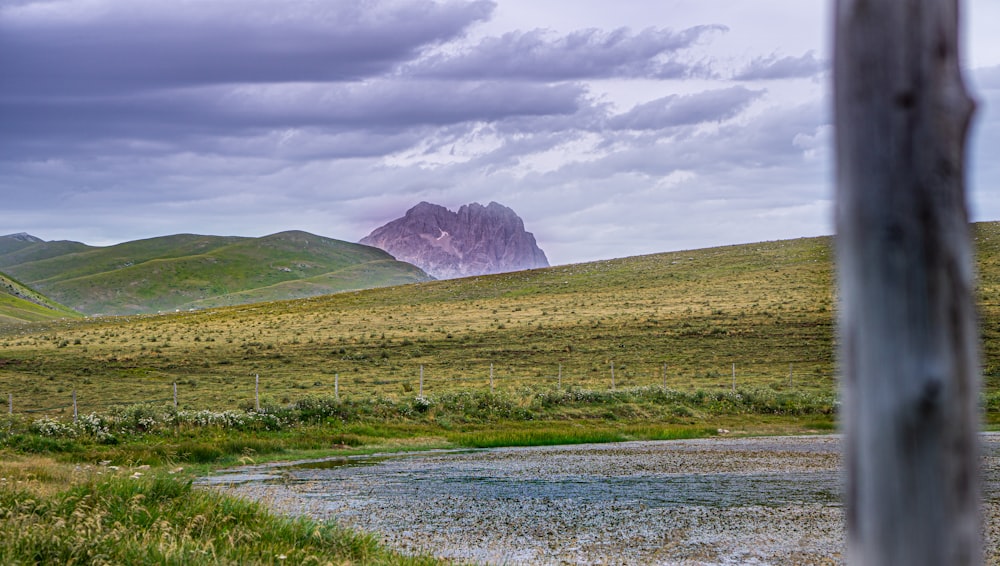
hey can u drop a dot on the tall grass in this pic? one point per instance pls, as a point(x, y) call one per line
point(161, 520)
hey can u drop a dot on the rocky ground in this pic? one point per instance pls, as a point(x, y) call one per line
point(711, 501)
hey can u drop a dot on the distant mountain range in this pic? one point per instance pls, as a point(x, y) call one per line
point(191, 271)
point(476, 240)
point(188, 271)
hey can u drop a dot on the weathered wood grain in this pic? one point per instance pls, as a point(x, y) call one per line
point(907, 327)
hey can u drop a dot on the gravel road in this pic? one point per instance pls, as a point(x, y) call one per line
point(722, 500)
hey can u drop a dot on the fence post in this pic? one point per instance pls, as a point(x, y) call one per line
point(907, 331)
point(734, 378)
point(560, 376)
point(256, 391)
point(612, 376)
point(336, 386)
point(421, 380)
point(664, 376)
point(175, 395)
point(75, 412)
point(491, 377)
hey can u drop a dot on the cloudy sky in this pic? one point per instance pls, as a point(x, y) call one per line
point(612, 128)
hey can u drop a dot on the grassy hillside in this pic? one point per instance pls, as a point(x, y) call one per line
point(762, 307)
point(766, 308)
point(18, 304)
point(187, 271)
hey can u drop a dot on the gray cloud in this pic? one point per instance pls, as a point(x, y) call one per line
point(670, 111)
point(586, 54)
point(53, 48)
point(189, 116)
point(249, 117)
point(772, 68)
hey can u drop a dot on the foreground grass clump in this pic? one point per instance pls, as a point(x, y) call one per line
point(162, 520)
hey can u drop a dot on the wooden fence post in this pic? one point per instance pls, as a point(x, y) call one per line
point(336, 386)
point(256, 391)
point(491, 377)
point(612, 376)
point(908, 352)
point(175, 395)
point(75, 412)
point(421, 380)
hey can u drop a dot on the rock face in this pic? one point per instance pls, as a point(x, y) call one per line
point(476, 240)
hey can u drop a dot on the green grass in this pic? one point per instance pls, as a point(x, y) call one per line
point(561, 433)
point(162, 520)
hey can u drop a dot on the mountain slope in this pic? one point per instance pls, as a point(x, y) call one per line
point(18, 303)
point(187, 270)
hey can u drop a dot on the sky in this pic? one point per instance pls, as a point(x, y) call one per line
point(612, 128)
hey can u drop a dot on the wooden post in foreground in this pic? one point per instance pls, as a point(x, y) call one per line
point(908, 338)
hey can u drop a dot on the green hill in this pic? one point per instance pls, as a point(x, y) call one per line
point(188, 271)
point(18, 303)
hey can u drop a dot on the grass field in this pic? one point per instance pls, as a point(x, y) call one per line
point(341, 374)
point(766, 308)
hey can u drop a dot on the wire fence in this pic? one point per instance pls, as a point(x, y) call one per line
point(423, 383)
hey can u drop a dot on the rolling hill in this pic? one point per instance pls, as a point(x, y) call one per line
point(188, 271)
point(18, 303)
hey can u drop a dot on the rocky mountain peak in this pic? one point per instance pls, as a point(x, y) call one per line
point(475, 240)
point(23, 237)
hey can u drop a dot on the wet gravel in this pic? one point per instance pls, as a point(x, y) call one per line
point(710, 501)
